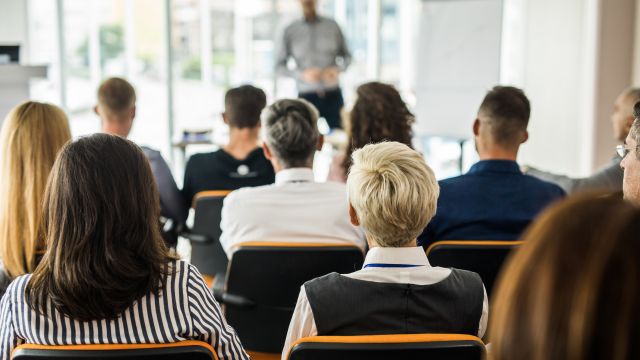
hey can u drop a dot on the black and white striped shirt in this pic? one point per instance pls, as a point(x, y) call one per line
point(184, 310)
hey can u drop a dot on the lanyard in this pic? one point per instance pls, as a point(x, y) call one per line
point(390, 266)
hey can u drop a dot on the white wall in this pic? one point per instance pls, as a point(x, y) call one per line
point(14, 27)
point(553, 42)
point(574, 57)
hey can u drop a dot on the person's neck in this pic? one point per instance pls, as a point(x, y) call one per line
point(277, 167)
point(372, 244)
point(242, 142)
point(497, 153)
point(114, 130)
point(310, 15)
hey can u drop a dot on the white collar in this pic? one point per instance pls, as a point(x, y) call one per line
point(405, 256)
point(294, 175)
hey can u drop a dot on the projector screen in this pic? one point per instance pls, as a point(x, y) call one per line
point(458, 60)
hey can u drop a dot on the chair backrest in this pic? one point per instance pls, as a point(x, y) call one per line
point(269, 276)
point(184, 350)
point(480, 256)
point(386, 347)
point(209, 257)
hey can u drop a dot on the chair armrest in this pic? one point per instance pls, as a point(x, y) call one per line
point(197, 238)
point(218, 286)
point(237, 301)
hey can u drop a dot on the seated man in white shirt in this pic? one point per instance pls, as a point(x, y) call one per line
point(392, 195)
point(295, 208)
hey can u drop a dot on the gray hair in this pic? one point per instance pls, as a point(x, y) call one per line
point(291, 131)
point(635, 128)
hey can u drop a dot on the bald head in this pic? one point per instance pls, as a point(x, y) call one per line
point(622, 116)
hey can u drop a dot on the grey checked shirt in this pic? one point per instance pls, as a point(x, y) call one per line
point(316, 43)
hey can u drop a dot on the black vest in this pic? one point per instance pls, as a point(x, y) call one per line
point(346, 306)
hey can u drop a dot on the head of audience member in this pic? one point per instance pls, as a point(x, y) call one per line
point(32, 135)
point(571, 291)
point(104, 248)
point(622, 117)
point(392, 194)
point(309, 9)
point(379, 114)
point(501, 126)
point(631, 161)
point(291, 136)
point(116, 106)
point(242, 108)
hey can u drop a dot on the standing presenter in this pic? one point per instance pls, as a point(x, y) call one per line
point(318, 48)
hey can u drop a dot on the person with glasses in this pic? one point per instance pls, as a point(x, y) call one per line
point(631, 160)
point(608, 178)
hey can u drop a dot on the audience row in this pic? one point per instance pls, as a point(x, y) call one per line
point(82, 244)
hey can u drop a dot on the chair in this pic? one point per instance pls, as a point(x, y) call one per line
point(184, 350)
point(385, 347)
point(483, 257)
point(207, 253)
point(263, 282)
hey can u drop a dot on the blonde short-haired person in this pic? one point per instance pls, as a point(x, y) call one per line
point(32, 135)
point(392, 196)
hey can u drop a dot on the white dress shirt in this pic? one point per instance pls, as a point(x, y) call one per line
point(303, 324)
point(294, 209)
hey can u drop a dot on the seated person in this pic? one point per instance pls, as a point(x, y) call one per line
point(630, 154)
point(295, 208)
point(117, 109)
point(240, 163)
point(32, 135)
point(392, 195)
point(391, 121)
point(572, 290)
point(494, 200)
point(107, 277)
point(609, 178)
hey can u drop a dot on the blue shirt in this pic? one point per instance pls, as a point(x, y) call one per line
point(493, 201)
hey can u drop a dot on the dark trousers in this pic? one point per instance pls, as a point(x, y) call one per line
point(328, 104)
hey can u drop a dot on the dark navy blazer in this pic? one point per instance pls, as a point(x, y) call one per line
point(493, 201)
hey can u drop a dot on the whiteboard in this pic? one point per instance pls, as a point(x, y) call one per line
point(458, 61)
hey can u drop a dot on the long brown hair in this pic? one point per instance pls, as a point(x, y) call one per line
point(104, 249)
point(379, 114)
point(572, 290)
point(32, 135)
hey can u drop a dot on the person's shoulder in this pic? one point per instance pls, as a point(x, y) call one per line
point(455, 181)
point(293, 25)
point(17, 285)
point(329, 21)
point(203, 157)
point(536, 183)
point(152, 154)
point(247, 193)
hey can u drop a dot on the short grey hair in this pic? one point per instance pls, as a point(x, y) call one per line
point(635, 127)
point(290, 129)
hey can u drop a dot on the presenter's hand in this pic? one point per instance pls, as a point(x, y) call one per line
point(330, 75)
point(312, 75)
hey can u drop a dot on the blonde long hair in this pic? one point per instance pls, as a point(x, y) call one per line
point(32, 135)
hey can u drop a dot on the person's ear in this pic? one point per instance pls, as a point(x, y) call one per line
point(96, 110)
point(353, 216)
point(476, 127)
point(628, 124)
point(224, 118)
point(133, 112)
point(525, 137)
point(267, 151)
point(320, 142)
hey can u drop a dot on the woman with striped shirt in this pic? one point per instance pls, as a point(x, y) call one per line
point(107, 276)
